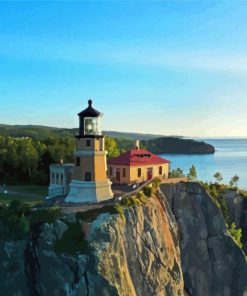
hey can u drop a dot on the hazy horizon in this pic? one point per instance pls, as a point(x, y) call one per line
point(167, 68)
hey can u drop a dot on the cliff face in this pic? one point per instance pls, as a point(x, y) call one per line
point(147, 251)
point(237, 206)
point(211, 261)
point(137, 254)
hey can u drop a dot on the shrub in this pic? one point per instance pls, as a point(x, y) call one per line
point(72, 241)
point(236, 233)
point(243, 193)
point(148, 191)
point(14, 223)
point(19, 208)
point(16, 227)
point(156, 182)
point(130, 201)
point(120, 210)
point(176, 173)
point(141, 196)
point(45, 216)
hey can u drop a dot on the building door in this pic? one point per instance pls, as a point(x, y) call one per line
point(87, 176)
point(118, 176)
point(149, 173)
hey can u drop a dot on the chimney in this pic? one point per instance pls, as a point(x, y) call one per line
point(137, 144)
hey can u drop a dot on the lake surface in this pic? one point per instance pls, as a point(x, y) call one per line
point(229, 159)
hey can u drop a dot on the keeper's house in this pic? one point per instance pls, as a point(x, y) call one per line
point(136, 166)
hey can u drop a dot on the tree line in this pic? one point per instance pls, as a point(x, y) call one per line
point(27, 160)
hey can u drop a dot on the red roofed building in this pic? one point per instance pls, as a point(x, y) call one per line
point(137, 165)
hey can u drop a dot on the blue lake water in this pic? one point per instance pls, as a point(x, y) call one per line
point(229, 159)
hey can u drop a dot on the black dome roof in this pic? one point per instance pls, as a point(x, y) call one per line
point(89, 111)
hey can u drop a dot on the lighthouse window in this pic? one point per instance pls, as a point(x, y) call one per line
point(77, 161)
point(139, 172)
point(88, 143)
point(87, 177)
point(92, 126)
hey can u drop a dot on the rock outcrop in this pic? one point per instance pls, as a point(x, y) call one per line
point(237, 206)
point(211, 261)
point(137, 254)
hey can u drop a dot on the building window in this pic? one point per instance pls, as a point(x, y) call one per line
point(61, 179)
point(139, 172)
point(110, 171)
point(78, 161)
point(88, 143)
point(124, 172)
point(160, 170)
point(88, 177)
point(53, 178)
point(57, 179)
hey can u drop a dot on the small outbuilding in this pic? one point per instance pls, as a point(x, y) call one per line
point(136, 166)
point(60, 177)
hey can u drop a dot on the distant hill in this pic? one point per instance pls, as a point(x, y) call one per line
point(41, 132)
point(154, 143)
point(130, 136)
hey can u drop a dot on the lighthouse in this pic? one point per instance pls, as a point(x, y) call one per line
point(89, 180)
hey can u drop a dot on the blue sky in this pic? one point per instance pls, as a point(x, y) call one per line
point(173, 68)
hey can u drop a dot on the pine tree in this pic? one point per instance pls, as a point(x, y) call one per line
point(192, 173)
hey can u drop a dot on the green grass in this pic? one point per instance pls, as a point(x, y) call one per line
point(35, 189)
point(7, 198)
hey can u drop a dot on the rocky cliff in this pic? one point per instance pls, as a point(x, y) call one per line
point(150, 249)
point(211, 261)
point(134, 254)
point(237, 207)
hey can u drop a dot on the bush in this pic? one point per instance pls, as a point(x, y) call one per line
point(72, 241)
point(243, 193)
point(14, 223)
point(17, 207)
point(119, 209)
point(236, 233)
point(148, 191)
point(156, 182)
point(141, 196)
point(45, 216)
point(130, 201)
point(176, 173)
point(16, 227)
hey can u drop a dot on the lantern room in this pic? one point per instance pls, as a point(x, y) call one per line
point(90, 122)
